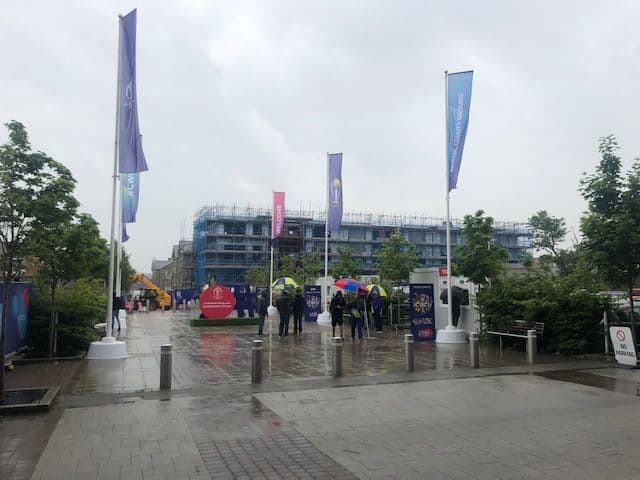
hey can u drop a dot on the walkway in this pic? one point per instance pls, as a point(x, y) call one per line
point(446, 420)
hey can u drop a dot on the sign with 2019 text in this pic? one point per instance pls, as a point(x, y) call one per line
point(421, 312)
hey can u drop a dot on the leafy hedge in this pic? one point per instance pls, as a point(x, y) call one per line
point(567, 305)
point(80, 304)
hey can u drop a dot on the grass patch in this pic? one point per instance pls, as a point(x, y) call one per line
point(223, 322)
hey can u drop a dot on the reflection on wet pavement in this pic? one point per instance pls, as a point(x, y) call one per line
point(613, 379)
point(221, 356)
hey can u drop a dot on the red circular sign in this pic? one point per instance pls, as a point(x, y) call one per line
point(217, 301)
point(621, 336)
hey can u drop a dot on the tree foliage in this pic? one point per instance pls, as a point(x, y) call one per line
point(397, 258)
point(480, 259)
point(258, 275)
point(347, 265)
point(309, 267)
point(548, 232)
point(567, 305)
point(611, 226)
point(35, 193)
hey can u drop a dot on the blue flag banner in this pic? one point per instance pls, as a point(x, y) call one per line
point(130, 154)
point(124, 237)
point(335, 192)
point(458, 103)
point(312, 297)
point(130, 192)
point(421, 312)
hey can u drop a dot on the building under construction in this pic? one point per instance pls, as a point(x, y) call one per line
point(227, 240)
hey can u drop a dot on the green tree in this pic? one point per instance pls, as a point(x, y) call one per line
point(309, 267)
point(347, 265)
point(35, 191)
point(548, 232)
point(258, 275)
point(397, 258)
point(286, 267)
point(480, 259)
point(611, 226)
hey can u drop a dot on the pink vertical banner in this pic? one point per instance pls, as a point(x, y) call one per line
point(277, 218)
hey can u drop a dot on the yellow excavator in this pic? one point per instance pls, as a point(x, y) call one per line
point(157, 296)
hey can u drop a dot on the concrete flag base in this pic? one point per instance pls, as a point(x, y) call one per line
point(107, 349)
point(450, 334)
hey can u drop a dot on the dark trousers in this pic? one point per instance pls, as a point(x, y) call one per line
point(358, 322)
point(260, 324)
point(283, 329)
point(297, 321)
point(377, 318)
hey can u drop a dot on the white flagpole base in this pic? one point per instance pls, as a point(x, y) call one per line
point(122, 316)
point(107, 349)
point(451, 334)
point(324, 318)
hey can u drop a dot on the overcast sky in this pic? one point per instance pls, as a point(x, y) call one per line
point(237, 99)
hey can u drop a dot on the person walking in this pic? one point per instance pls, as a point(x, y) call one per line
point(376, 305)
point(263, 302)
point(284, 309)
point(356, 309)
point(298, 311)
point(115, 305)
point(336, 308)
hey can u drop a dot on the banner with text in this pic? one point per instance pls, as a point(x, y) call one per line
point(130, 154)
point(334, 192)
point(458, 103)
point(312, 297)
point(277, 215)
point(421, 311)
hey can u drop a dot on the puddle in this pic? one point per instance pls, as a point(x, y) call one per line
point(592, 380)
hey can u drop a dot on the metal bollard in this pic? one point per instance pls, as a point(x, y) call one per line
point(256, 361)
point(174, 302)
point(147, 307)
point(409, 351)
point(336, 346)
point(166, 356)
point(474, 350)
point(532, 346)
point(184, 304)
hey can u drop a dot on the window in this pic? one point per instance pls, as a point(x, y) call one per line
point(257, 229)
point(234, 228)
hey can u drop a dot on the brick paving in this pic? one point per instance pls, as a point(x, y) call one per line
point(443, 421)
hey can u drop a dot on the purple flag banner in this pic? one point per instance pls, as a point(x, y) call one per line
point(130, 192)
point(458, 103)
point(130, 154)
point(124, 236)
point(334, 192)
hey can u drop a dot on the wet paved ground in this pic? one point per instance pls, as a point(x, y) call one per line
point(444, 421)
point(208, 356)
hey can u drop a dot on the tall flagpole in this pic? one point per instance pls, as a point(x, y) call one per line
point(271, 269)
point(325, 291)
point(119, 260)
point(446, 122)
point(113, 193)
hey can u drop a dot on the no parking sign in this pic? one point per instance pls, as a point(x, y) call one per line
point(623, 345)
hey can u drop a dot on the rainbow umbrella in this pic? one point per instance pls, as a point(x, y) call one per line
point(349, 284)
point(284, 283)
point(376, 289)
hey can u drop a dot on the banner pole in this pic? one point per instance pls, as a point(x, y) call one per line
point(325, 292)
point(119, 259)
point(446, 122)
point(113, 192)
point(271, 277)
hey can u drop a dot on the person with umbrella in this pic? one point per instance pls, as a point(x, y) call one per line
point(298, 311)
point(284, 309)
point(376, 305)
point(263, 303)
point(357, 308)
point(336, 308)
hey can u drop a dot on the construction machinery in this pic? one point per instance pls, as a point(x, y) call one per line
point(157, 296)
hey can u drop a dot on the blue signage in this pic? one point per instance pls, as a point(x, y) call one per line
point(312, 296)
point(421, 311)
